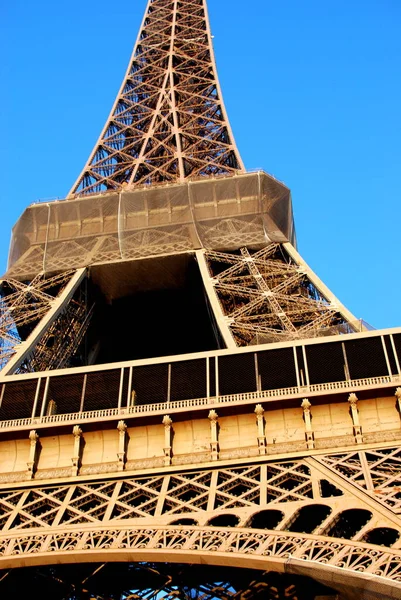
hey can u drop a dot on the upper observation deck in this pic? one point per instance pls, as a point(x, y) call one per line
point(216, 213)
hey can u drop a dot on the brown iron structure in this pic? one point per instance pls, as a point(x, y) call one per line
point(186, 410)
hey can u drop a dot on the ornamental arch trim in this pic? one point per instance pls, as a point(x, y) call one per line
point(340, 562)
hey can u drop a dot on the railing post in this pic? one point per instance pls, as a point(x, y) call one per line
point(129, 387)
point(120, 390)
point(216, 377)
point(35, 402)
point(82, 403)
point(42, 412)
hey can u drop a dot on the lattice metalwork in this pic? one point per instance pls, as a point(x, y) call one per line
point(24, 305)
point(61, 340)
point(377, 471)
point(168, 122)
point(285, 495)
point(268, 297)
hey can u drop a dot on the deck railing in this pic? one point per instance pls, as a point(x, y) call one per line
point(177, 405)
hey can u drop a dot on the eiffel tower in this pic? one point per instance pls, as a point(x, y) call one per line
point(186, 410)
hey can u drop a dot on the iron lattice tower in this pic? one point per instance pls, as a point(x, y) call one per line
point(180, 393)
point(168, 122)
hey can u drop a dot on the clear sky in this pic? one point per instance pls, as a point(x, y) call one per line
point(313, 93)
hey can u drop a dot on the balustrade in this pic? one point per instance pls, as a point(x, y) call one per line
point(161, 407)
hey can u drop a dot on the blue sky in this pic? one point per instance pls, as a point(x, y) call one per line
point(313, 93)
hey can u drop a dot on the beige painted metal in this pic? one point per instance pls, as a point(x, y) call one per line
point(94, 487)
point(221, 320)
point(343, 565)
point(98, 511)
point(214, 432)
point(333, 389)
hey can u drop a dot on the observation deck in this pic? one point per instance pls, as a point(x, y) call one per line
point(189, 387)
point(217, 213)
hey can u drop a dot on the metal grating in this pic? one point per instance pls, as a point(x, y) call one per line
point(18, 399)
point(150, 383)
point(237, 374)
point(277, 369)
point(325, 362)
point(188, 379)
point(102, 390)
point(366, 358)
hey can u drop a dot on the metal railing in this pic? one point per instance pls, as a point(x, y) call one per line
point(163, 407)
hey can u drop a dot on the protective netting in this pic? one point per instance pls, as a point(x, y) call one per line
point(214, 213)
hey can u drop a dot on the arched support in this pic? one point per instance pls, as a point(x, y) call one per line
point(342, 564)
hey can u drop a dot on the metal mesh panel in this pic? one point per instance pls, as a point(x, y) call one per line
point(29, 236)
point(272, 198)
point(155, 221)
point(18, 399)
point(188, 379)
point(150, 383)
point(366, 358)
point(325, 362)
point(102, 390)
point(237, 374)
point(66, 392)
point(277, 369)
point(216, 213)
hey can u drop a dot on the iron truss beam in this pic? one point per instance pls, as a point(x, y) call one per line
point(42, 322)
point(267, 297)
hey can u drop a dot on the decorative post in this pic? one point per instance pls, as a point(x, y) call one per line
point(31, 464)
point(167, 421)
point(353, 401)
point(76, 457)
point(259, 411)
point(398, 396)
point(121, 454)
point(309, 435)
point(214, 440)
